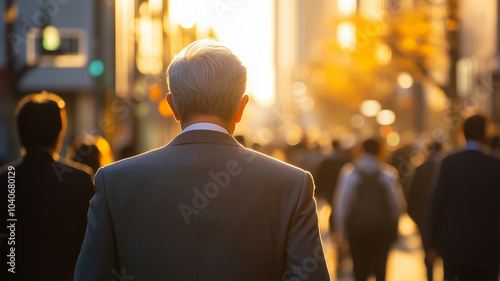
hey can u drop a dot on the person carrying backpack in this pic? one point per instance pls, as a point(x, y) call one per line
point(368, 204)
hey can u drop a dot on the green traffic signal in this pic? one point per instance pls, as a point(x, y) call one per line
point(51, 39)
point(96, 68)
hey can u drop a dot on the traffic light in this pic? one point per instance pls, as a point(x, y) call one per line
point(51, 40)
point(59, 41)
point(96, 68)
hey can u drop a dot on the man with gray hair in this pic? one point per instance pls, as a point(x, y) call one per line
point(203, 207)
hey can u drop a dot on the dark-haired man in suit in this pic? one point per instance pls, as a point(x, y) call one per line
point(420, 198)
point(203, 207)
point(465, 221)
point(48, 199)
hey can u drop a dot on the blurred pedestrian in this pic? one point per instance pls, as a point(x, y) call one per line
point(328, 172)
point(368, 206)
point(203, 207)
point(241, 140)
point(305, 155)
point(465, 215)
point(91, 150)
point(326, 182)
point(401, 160)
point(420, 198)
point(494, 144)
point(49, 199)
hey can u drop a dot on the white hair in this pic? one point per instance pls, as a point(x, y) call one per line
point(205, 77)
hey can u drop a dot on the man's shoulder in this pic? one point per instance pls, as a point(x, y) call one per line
point(467, 155)
point(76, 177)
point(75, 182)
point(73, 175)
point(455, 158)
point(245, 157)
point(259, 159)
point(78, 167)
point(135, 161)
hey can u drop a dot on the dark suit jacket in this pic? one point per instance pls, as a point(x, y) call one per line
point(327, 176)
point(421, 194)
point(51, 201)
point(202, 208)
point(466, 210)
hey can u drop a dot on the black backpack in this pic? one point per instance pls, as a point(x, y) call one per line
point(370, 214)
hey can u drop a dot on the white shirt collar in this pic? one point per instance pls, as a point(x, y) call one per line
point(205, 126)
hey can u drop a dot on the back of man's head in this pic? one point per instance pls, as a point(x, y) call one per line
point(40, 118)
point(371, 146)
point(206, 78)
point(475, 128)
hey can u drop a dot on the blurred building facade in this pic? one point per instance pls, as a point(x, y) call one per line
point(428, 62)
point(59, 46)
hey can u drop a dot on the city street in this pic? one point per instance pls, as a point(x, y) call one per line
point(189, 125)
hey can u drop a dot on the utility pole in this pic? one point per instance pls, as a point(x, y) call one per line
point(453, 36)
point(495, 98)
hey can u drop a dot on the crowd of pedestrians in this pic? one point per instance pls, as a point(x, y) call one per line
point(453, 198)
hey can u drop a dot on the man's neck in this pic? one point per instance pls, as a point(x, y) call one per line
point(208, 119)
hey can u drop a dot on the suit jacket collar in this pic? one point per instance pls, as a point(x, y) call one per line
point(204, 136)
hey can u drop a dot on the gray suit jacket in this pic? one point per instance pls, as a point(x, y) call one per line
point(202, 208)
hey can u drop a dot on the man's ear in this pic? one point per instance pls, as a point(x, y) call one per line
point(241, 108)
point(171, 104)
